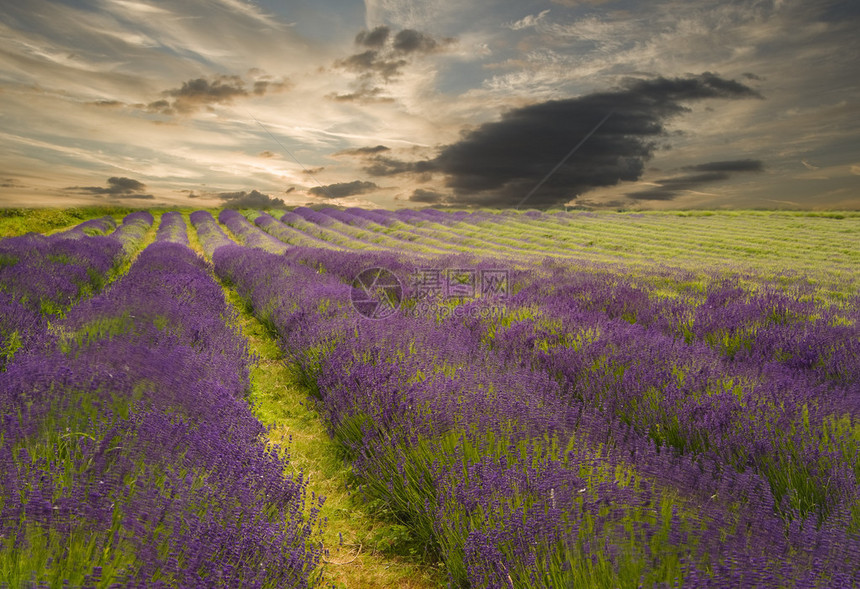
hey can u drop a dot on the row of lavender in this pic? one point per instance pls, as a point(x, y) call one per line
point(41, 277)
point(595, 431)
point(129, 453)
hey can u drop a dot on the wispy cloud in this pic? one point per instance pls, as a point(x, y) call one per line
point(201, 93)
point(382, 59)
point(527, 22)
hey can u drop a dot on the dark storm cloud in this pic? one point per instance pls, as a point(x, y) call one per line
point(199, 93)
point(670, 188)
point(249, 200)
point(498, 163)
point(747, 165)
point(342, 189)
point(427, 196)
point(375, 38)
point(118, 187)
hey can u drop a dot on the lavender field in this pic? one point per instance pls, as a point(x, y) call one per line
point(536, 399)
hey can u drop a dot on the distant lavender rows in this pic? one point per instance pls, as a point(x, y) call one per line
point(502, 441)
point(129, 453)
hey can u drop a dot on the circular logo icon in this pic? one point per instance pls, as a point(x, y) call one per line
point(376, 293)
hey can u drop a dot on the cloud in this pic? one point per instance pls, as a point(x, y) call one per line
point(383, 59)
point(498, 163)
point(670, 188)
point(118, 187)
point(387, 166)
point(427, 196)
point(579, 2)
point(343, 189)
point(528, 21)
point(199, 93)
point(379, 165)
point(108, 103)
point(363, 151)
point(808, 166)
point(268, 154)
point(412, 41)
point(745, 165)
point(125, 185)
point(372, 62)
point(375, 38)
point(364, 93)
point(134, 196)
point(249, 200)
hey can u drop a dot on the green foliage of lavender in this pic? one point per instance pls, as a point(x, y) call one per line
point(130, 456)
point(611, 428)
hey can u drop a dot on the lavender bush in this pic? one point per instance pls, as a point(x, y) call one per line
point(133, 230)
point(172, 228)
point(287, 233)
point(249, 234)
point(48, 274)
point(99, 226)
point(209, 233)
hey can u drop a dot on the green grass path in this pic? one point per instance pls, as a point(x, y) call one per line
point(363, 558)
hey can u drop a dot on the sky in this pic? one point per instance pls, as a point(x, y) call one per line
point(603, 104)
